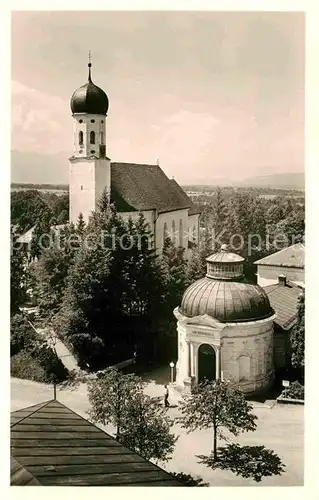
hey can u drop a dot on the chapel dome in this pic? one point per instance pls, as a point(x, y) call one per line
point(223, 295)
point(89, 99)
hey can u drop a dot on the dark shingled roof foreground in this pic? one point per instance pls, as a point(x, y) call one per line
point(53, 446)
point(137, 187)
point(284, 301)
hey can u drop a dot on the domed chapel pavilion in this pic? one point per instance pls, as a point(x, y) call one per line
point(225, 328)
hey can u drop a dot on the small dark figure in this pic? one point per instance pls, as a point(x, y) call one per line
point(166, 402)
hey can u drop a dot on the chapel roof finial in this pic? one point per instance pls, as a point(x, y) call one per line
point(90, 66)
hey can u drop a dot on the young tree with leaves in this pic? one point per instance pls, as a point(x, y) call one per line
point(140, 423)
point(217, 405)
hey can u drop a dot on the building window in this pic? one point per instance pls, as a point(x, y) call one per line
point(173, 232)
point(101, 138)
point(92, 137)
point(81, 137)
point(92, 151)
point(92, 121)
point(180, 233)
point(165, 232)
point(80, 121)
point(102, 121)
point(81, 188)
point(194, 233)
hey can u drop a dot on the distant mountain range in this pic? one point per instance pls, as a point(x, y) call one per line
point(283, 181)
point(36, 168)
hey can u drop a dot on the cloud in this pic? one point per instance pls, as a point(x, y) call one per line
point(40, 122)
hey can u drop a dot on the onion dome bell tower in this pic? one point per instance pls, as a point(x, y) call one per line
point(89, 167)
point(89, 106)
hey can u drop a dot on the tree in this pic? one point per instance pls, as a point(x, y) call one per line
point(253, 462)
point(298, 337)
point(104, 203)
point(174, 272)
point(84, 318)
point(217, 405)
point(52, 268)
point(26, 208)
point(140, 423)
point(41, 236)
point(17, 274)
point(22, 336)
point(292, 227)
point(147, 428)
point(80, 224)
point(196, 267)
point(218, 214)
point(63, 217)
point(26, 342)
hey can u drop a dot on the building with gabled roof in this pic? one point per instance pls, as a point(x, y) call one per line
point(282, 275)
point(289, 261)
point(51, 445)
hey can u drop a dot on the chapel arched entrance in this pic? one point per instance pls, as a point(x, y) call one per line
point(206, 362)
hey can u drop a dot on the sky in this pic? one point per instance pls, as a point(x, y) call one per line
point(211, 95)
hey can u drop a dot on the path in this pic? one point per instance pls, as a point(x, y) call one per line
point(62, 351)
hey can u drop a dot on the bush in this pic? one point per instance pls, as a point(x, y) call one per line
point(188, 480)
point(22, 336)
point(294, 391)
point(31, 346)
point(23, 365)
point(51, 364)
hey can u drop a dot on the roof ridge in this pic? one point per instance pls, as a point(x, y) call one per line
point(101, 430)
point(32, 413)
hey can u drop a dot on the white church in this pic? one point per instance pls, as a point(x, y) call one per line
point(133, 188)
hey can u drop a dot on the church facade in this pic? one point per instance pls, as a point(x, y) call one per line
point(133, 188)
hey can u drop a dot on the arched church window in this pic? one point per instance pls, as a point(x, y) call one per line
point(101, 138)
point(92, 137)
point(180, 233)
point(81, 137)
point(165, 232)
point(173, 232)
